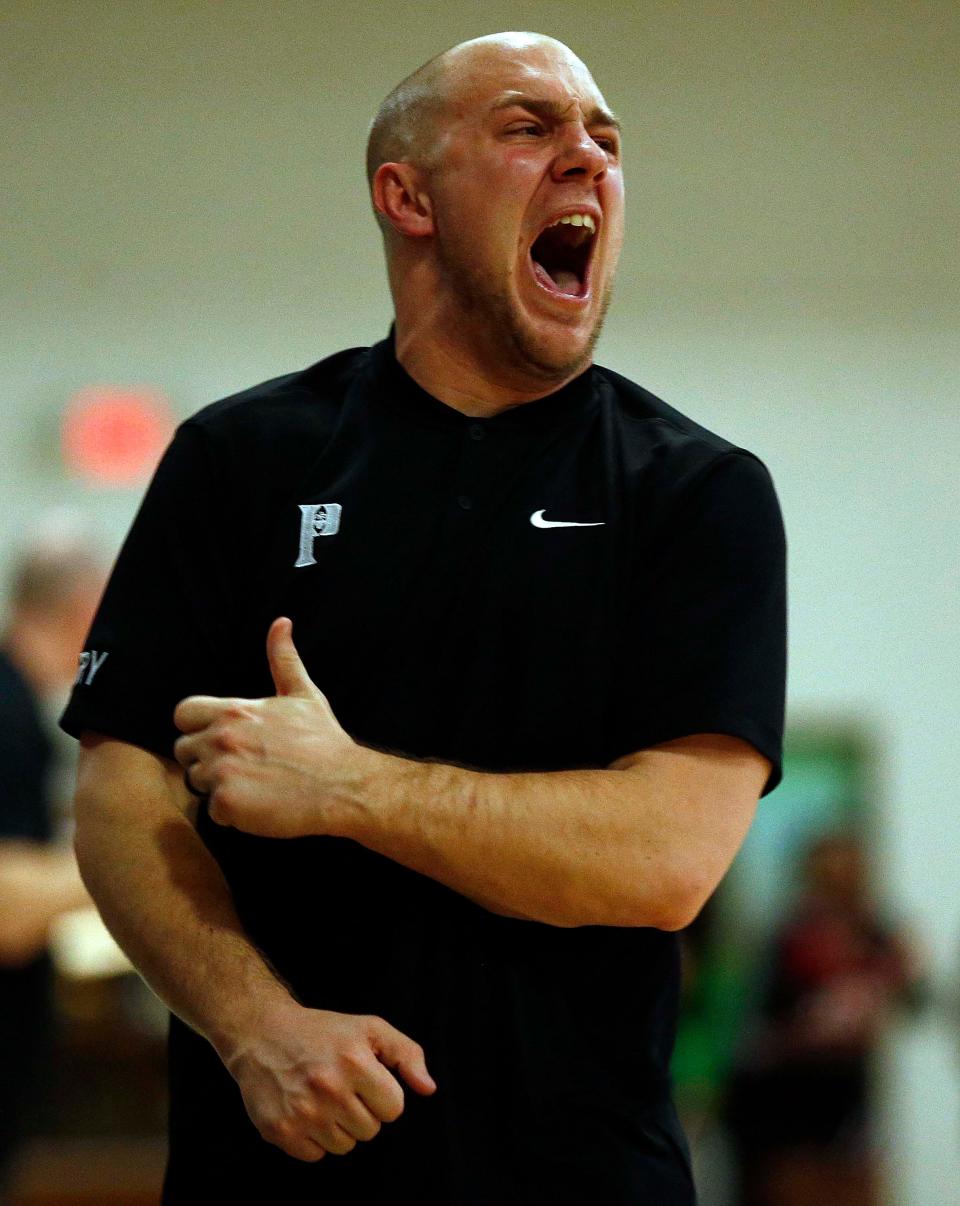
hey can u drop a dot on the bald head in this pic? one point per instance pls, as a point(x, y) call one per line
point(407, 126)
point(51, 576)
point(54, 588)
point(471, 160)
point(400, 131)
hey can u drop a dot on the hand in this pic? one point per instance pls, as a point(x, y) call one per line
point(315, 1082)
point(278, 767)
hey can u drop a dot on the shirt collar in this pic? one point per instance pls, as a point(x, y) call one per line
point(391, 382)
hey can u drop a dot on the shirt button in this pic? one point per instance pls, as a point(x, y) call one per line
point(464, 503)
point(477, 432)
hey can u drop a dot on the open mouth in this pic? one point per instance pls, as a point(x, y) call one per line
point(561, 255)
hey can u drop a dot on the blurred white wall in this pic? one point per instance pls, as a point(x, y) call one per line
point(184, 206)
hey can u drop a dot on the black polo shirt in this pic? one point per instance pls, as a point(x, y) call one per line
point(572, 580)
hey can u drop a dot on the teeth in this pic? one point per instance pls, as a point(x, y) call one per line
point(577, 220)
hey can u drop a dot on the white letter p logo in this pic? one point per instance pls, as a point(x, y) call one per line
point(316, 519)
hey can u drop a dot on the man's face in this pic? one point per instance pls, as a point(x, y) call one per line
point(528, 206)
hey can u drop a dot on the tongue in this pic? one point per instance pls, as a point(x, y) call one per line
point(560, 279)
point(566, 281)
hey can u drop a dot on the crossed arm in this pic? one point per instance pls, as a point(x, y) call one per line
point(641, 843)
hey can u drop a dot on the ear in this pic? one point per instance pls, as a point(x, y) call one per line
point(398, 195)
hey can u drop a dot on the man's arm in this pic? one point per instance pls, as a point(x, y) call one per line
point(38, 883)
point(312, 1081)
point(642, 843)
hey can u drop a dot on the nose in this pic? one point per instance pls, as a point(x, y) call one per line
point(580, 157)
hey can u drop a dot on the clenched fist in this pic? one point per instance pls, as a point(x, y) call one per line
point(315, 1082)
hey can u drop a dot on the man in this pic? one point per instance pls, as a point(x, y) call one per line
point(54, 593)
point(392, 973)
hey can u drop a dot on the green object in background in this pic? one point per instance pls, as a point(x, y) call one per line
point(824, 789)
point(710, 1020)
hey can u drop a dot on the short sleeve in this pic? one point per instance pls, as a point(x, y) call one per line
point(165, 626)
point(712, 594)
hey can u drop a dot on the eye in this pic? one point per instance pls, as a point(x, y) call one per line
point(606, 143)
point(532, 128)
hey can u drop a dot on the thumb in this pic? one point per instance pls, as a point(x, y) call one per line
point(397, 1051)
point(288, 671)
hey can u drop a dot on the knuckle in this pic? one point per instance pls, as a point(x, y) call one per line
point(392, 1111)
point(304, 1108)
point(322, 1082)
point(226, 739)
point(238, 709)
point(355, 1058)
point(276, 1131)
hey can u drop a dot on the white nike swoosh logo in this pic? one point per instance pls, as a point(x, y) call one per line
point(539, 522)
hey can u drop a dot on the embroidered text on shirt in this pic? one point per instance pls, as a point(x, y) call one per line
point(316, 519)
point(90, 662)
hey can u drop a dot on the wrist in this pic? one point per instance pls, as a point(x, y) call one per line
point(362, 789)
point(252, 1013)
point(393, 799)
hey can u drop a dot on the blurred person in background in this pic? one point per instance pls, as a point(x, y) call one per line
point(53, 595)
point(799, 1109)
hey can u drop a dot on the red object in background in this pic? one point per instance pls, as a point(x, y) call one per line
point(113, 435)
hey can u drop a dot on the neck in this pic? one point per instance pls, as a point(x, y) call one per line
point(476, 381)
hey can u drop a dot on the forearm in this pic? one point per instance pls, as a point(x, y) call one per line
point(163, 896)
point(642, 842)
point(568, 848)
point(37, 884)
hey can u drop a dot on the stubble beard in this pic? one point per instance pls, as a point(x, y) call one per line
point(500, 327)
